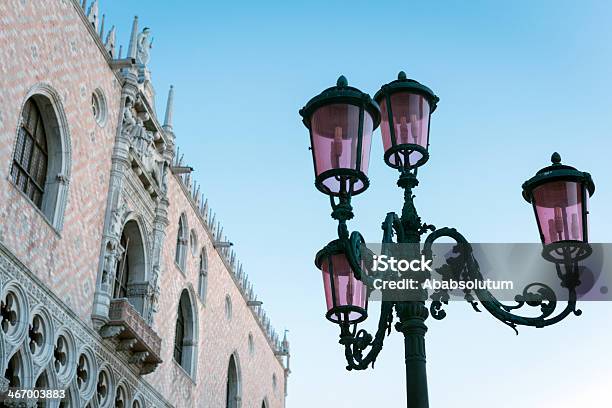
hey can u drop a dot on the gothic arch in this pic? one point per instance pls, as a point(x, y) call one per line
point(182, 241)
point(123, 394)
point(15, 315)
point(203, 275)
point(65, 357)
point(233, 395)
point(186, 340)
point(132, 271)
point(41, 336)
point(59, 165)
point(86, 373)
point(72, 397)
point(18, 369)
point(104, 395)
point(46, 379)
point(137, 401)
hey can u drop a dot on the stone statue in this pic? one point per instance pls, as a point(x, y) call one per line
point(144, 44)
point(152, 164)
point(117, 218)
point(109, 262)
point(129, 122)
point(141, 137)
point(153, 295)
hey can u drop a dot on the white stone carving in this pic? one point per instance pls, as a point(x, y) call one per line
point(72, 339)
point(144, 44)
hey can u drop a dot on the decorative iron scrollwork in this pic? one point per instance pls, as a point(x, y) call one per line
point(465, 266)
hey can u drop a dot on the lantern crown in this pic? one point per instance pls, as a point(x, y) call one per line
point(557, 172)
point(342, 93)
point(405, 84)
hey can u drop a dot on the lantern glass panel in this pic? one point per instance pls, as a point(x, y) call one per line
point(411, 124)
point(559, 211)
point(347, 291)
point(335, 131)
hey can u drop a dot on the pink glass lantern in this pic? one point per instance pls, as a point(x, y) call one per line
point(341, 121)
point(559, 196)
point(346, 296)
point(406, 107)
point(559, 208)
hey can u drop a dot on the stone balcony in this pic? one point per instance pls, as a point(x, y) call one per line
point(131, 334)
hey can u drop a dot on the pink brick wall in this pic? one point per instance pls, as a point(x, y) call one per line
point(218, 337)
point(52, 45)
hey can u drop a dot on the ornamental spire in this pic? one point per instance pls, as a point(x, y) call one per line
point(92, 14)
point(169, 110)
point(109, 44)
point(102, 27)
point(133, 47)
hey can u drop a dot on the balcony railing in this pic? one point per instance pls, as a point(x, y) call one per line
point(132, 335)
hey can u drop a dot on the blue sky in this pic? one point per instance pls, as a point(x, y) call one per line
point(517, 81)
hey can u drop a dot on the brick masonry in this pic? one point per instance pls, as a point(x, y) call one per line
point(52, 45)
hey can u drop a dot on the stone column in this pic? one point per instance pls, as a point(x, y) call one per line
point(113, 222)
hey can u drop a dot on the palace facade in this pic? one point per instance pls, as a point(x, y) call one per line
point(117, 284)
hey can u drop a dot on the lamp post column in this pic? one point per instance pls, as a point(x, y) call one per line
point(411, 324)
point(413, 313)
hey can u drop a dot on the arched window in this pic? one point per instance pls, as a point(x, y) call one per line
point(41, 160)
point(179, 335)
point(14, 372)
point(181, 242)
point(29, 171)
point(122, 274)
point(232, 396)
point(185, 332)
point(131, 267)
point(228, 307)
point(203, 280)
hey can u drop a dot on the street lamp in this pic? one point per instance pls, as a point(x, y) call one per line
point(559, 194)
point(406, 107)
point(341, 121)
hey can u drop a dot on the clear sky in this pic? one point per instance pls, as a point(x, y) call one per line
point(517, 81)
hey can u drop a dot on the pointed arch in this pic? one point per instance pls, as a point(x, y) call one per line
point(186, 333)
point(131, 276)
point(18, 370)
point(72, 399)
point(233, 394)
point(203, 275)
point(182, 240)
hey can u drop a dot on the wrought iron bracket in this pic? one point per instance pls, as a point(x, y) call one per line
point(465, 266)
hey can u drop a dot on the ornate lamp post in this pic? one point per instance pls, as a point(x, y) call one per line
point(341, 121)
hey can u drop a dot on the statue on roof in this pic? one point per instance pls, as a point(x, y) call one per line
point(144, 43)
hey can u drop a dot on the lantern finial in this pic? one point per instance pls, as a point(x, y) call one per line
point(555, 158)
point(342, 81)
point(401, 76)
